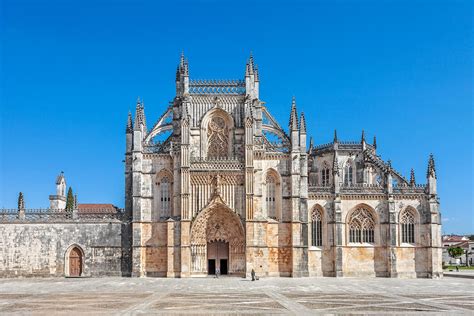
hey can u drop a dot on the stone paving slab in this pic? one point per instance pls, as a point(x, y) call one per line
point(305, 296)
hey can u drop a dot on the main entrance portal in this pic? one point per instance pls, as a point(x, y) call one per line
point(217, 241)
point(217, 257)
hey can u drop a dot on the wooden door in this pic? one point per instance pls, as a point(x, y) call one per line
point(75, 263)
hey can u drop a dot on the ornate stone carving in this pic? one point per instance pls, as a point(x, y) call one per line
point(218, 138)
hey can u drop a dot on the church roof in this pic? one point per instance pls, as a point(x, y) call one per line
point(96, 208)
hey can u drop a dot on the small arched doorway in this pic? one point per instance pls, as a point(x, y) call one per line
point(217, 257)
point(75, 262)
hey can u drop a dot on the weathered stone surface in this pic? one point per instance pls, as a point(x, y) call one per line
point(41, 249)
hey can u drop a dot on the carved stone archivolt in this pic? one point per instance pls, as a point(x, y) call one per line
point(218, 223)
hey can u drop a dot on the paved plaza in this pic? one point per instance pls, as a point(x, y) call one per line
point(133, 296)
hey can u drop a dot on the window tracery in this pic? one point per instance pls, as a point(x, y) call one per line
point(407, 223)
point(165, 197)
point(325, 177)
point(271, 196)
point(361, 226)
point(316, 228)
point(348, 174)
point(218, 138)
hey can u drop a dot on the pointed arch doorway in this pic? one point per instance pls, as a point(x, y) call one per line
point(217, 257)
point(75, 262)
point(217, 241)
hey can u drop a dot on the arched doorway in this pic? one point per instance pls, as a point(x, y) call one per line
point(75, 262)
point(217, 241)
point(217, 257)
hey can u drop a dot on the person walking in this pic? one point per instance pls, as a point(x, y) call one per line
point(218, 271)
point(252, 273)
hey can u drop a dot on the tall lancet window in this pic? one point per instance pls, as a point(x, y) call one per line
point(348, 173)
point(361, 226)
point(407, 223)
point(325, 177)
point(217, 138)
point(271, 196)
point(316, 228)
point(165, 197)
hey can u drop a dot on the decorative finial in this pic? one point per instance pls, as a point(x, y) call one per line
point(375, 143)
point(311, 144)
point(389, 164)
point(335, 137)
point(431, 167)
point(21, 202)
point(293, 116)
point(138, 115)
point(412, 177)
point(362, 139)
point(181, 60)
point(129, 127)
point(302, 124)
point(335, 165)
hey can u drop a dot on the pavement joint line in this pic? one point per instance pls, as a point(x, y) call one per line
point(290, 305)
point(423, 302)
point(143, 306)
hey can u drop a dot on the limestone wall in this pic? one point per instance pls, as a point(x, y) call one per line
point(31, 250)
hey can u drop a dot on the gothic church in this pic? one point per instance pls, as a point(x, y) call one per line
point(217, 185)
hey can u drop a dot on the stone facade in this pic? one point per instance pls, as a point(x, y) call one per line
point(216, 184)
point(216, 167)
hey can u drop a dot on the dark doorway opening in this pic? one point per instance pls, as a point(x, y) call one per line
point(211, 266)
point(223, 266)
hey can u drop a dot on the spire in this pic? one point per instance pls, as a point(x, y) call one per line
point(256, 73)
point(335, 165)
point(375, 143)
point(129, 127)
point(250, 68)
point(431, 172)
point(251, 62)
point(21, 202)
point(335, 137)
point(181, 60)
point(293, 116)
point(177, 74)
point(186, 68)
point(143, 114)
point(302, 124)
point(362, 139)
point(412, 177)
point(138, 115)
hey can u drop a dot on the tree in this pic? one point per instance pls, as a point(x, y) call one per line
point(455, 252)
point(69, 200)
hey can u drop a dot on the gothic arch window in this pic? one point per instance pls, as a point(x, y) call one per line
point(163, 197)
point(272, 195)
point(407, 226)
point(317, 227)
point(325, 176)
point(361, 226)
point(217, 138)
point(349, 173)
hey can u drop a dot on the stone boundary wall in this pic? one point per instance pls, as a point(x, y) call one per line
point(40, 249)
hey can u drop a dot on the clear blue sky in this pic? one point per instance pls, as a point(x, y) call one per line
point(71, 70)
